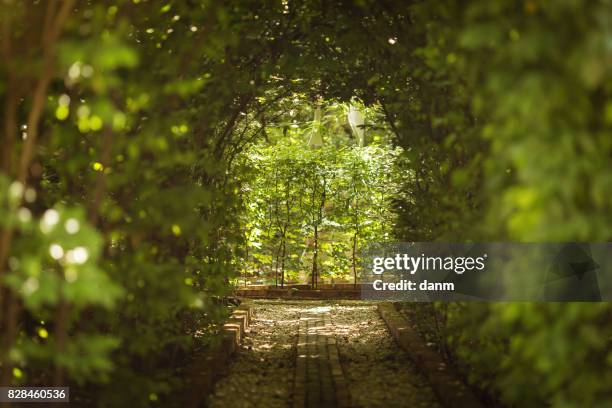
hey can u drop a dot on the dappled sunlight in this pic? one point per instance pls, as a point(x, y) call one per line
point(320, 309)
point(378, 372)
point(262, 371)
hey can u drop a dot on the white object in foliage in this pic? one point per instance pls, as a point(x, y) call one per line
point(356, 120)
point(315, 136)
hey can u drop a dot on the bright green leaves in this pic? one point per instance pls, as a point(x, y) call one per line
point(96, 64)
point(185, 87)
point(340, 189)
point(63, 107)
point(60, 260)
point(54, 261)
point(544, 123)
point(537, 340)
point(526, 148)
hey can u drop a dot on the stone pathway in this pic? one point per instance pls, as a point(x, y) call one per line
point(320, 354)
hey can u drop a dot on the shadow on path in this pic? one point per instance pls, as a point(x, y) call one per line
point(376, 371)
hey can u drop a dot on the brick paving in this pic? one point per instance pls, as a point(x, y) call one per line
point(319, 379)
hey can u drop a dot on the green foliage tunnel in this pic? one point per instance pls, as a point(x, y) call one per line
point(130, 178)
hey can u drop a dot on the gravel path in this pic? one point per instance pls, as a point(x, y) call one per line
point(261, 374)
point(378, 373)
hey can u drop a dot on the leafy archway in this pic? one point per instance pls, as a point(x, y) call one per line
point(122, 218)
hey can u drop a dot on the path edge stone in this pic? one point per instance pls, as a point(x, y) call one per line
point(211, 365)
point(449, 389)
point(300, 294)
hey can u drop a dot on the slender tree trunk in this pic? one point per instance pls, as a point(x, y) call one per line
point(10, 126)
point(313, 270)
point(315, 256)
point(53, 26)
point(276, 265)
point(285, 228)
point(275, 271)
point(319, 220)
point(12, 307)
point(283, 262)
point(61, 338)
point(247, 262)
point(354, 259)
